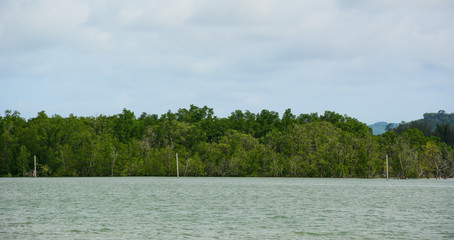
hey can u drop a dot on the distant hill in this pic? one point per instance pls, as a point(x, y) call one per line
point(380, 127)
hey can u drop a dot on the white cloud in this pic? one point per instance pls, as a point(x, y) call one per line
point(130, 15)
point(40, 23)
point(259, 53)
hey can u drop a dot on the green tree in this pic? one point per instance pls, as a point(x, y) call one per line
point(125, 128)
point(23, 162)
point(430, 154)
point(243, 144)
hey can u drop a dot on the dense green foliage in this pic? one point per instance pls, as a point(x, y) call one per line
point(440, 125)
point(243, 144)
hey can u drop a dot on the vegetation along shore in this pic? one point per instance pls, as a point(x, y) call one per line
point(242, 144)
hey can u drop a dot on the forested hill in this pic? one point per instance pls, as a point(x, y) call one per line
point(381, 127)
point(440, 125)
point(243, 144)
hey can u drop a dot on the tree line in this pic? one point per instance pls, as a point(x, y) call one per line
point(242, 144)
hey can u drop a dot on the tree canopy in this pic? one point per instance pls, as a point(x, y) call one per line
point(242, 144)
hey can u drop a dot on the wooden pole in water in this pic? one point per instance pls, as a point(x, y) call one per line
point(34, 169)
point(387, 176)
point(178, 174)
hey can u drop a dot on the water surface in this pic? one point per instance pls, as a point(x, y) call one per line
point(225, 208)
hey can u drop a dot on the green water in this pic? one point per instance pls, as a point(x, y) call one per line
point(225, 208)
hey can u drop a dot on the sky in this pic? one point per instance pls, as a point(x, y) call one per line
point(375, 60)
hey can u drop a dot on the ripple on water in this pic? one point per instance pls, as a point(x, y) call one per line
point(225, 208)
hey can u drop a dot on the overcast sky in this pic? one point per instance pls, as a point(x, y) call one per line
point(372, 60)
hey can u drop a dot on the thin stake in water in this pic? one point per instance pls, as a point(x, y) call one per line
point(386, 167)
point(34, 169)
point(178, 174)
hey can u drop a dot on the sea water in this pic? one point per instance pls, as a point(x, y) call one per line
point(225, 208)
